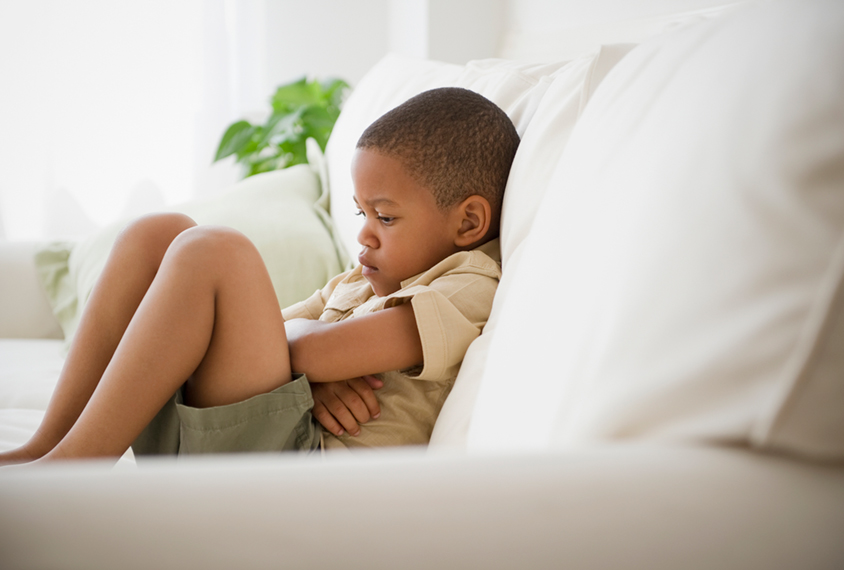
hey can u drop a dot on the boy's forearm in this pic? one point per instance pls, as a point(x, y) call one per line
point(374, 343)
point(301, 337)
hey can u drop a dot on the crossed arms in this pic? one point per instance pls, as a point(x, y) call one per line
point(352, 350)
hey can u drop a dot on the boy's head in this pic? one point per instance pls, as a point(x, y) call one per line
point(429, 178)
point(452, 140)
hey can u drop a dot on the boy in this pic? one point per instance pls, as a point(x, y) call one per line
point(177, 301)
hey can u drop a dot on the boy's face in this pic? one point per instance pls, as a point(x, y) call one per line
point(404, 232)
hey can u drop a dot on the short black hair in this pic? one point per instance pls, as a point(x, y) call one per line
point(451, 140)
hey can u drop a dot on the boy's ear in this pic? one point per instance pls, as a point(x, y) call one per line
point(475, 216)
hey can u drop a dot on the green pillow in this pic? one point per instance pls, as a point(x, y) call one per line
point(277, 210)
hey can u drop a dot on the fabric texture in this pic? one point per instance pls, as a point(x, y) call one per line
point(279, 420)
point(696, 227)
point(539, 152)
point(451, 303)
point(277, 211)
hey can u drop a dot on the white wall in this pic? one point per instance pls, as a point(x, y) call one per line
point(552, 15)
point(97, 106)
point(462, 30)
point(343, 38)
point(547, 30)
point(324, 38)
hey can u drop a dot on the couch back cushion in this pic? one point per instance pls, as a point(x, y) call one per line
point(543, 142)
point(683, 277)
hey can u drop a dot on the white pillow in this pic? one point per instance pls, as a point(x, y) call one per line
point(515, 87)
point(539, 152)
point(683, 280)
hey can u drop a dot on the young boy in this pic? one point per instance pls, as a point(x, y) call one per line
point(189, 310)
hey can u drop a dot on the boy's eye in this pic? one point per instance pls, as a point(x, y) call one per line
point(386, 220)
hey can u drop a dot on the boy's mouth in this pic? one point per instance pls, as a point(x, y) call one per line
point(366, 268)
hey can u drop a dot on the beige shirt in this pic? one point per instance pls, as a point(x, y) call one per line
point(451, 302)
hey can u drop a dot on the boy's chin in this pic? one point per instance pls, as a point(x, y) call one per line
point(379, 286)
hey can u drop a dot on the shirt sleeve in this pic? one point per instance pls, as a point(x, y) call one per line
point(312, 307)
point(450, 313)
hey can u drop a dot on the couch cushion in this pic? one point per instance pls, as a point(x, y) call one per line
point(24, 309)
point(542, 145)
point(683, 277)
point(29, 369)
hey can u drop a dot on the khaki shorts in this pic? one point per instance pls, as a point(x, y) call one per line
point(280, 420)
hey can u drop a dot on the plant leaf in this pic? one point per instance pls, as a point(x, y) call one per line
point(236, 137)
point(335, 91)
point(281, 126)
point(266, 165)
point(290, 96)
point(295, 150)
point(301, 109)
point(318, 123)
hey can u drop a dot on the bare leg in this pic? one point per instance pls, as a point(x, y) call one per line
point(210, 315)
point(131, 267)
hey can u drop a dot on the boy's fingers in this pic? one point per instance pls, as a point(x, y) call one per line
point(346, 407)
point(350, 401)
point(364, 389)
point(326, 419)
point(343, 406)
point(374, 382)
point(330, 411)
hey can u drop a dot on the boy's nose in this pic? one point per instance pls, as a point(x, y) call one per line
point(366, 238)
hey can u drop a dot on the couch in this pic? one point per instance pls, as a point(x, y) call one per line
point(661, 381)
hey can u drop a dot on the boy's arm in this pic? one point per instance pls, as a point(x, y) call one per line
point(377, 342)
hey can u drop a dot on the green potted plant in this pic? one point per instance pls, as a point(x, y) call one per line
point(301, 110)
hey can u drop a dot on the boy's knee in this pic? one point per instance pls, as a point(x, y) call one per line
point(157, 227)
point(211, 243)
point(151, 235)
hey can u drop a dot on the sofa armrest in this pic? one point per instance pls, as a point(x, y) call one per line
point(24, 309)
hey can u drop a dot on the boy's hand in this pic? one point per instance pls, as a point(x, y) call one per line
point(342, 406)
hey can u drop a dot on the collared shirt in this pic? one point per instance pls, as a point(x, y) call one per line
point(451, 303)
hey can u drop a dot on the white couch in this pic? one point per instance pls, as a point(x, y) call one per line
point(660, 385)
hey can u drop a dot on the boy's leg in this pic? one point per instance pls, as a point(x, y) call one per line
point(210, 315)
point(131, 267)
